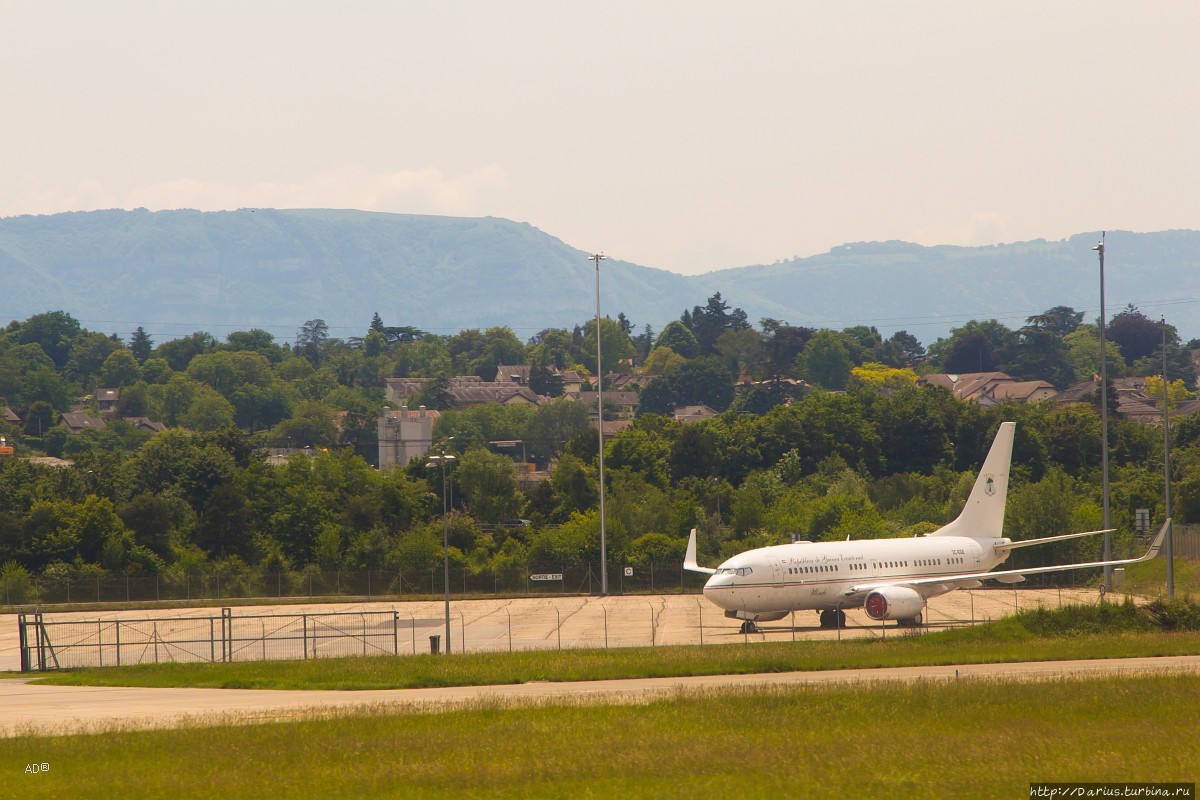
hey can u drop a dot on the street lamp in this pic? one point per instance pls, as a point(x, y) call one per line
point(598, 257)
point(1099, 248)
point(442, 461)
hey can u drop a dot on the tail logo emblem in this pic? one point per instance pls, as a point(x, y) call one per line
point(989, 488)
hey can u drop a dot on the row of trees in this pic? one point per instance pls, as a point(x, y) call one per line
point(859, 464)
point(883, 458)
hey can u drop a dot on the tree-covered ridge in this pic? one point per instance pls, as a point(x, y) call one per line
point(270, 268)
point(822, 434)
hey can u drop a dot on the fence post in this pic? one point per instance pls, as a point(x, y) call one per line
point(395, 632)
point(506, 611)
point(413, 626)
point(99, 641)
point(304, 643)
point(700, 606)
point(652, 577)
point(118, 627)
point(651, 611)
point(462, 623)
point(156, 595)
point(559, 615)
point(226, 634)
point(605, 610)
point(23, 642)
point(212, 642)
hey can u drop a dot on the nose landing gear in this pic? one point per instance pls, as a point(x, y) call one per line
point(749, 626)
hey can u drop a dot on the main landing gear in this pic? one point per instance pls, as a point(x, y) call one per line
point(749, 626)
point(833, 618)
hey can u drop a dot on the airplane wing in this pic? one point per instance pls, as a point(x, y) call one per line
point(1000, 548)
point(689, 558)
point(1155, 546)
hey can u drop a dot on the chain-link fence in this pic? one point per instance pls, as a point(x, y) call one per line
point(56, 641)
point(526, 580)
point(48, 644)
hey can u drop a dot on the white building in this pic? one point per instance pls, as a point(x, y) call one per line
point(405, 434)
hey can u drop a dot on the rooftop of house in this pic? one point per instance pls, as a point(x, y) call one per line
point(77, 421)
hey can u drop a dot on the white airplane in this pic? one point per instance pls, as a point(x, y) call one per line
point(890, 578)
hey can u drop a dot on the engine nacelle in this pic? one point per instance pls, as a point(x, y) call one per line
point(893, 602)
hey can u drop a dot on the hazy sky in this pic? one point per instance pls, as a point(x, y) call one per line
point(688, 136)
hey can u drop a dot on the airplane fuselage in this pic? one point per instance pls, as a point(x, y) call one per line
point(818, 575)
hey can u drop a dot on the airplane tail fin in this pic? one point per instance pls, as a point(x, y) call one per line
point(983, 515)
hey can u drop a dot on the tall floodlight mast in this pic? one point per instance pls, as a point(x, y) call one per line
point(1104, 423)
point(1167, 469)
point(598, 257)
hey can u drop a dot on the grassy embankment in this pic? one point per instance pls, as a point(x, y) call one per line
point(1107, 630)
point(931, 739)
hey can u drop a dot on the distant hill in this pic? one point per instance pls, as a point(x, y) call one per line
point(176, 272)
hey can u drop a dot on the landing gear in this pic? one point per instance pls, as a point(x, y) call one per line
point(911, 622)
point(749, 626)
point(833, 618)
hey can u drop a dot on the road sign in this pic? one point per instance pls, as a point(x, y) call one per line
point(546, 576)
point(629, 572)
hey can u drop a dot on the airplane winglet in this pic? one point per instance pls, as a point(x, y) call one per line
point(689, 558)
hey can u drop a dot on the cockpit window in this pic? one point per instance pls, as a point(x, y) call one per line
point(733, 571)
point(744, 570)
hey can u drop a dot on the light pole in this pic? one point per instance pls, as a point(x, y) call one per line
point(598, 257)
point(435, 461)
point(1167, 469)
point(1099, 248)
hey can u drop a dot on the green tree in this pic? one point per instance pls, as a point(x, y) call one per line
point(552, 426)
point(140, 344)
point(615, 345)
point(825, 360)
point(54, 331)
point(120, 369)
point(88, 355)
point(677, 337)
point(489, 483)
point(1083, 353)
point(702, 381)
point(178, 353)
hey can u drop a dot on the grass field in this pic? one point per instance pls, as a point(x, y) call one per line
point(1109, 630)
point(1150, 577)
point(931, 739)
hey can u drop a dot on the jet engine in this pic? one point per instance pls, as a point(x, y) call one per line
point(893, 602)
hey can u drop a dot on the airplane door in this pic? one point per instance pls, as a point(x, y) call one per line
point(776, 571)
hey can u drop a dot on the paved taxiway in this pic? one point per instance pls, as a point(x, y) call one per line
point(572, 621)
point(28, 709)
